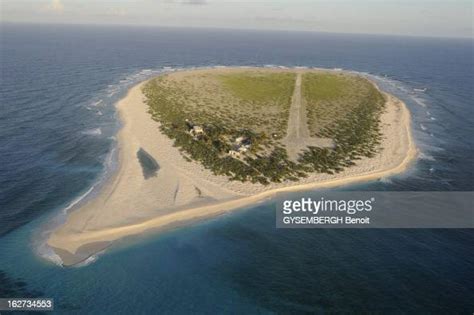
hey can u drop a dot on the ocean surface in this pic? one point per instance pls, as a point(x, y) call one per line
point(57, 127)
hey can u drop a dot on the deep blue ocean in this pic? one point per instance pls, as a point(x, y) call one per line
point(57, 126)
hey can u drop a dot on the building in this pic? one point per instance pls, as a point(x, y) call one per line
point(242, 149)
point(234, 154)
point(197, 130)
point(242, 141)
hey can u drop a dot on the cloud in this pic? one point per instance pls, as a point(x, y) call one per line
point(119, 12)
point(189, 2)
point(54, 6)
point(194, 2)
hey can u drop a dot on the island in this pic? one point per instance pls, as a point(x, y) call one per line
point(199, 143)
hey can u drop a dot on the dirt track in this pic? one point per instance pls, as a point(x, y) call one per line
point(297, 134)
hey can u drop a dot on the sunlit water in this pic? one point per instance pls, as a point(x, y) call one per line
point(58, 87)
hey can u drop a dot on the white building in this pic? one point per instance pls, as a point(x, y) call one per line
point(234, 154)
point(196, 131)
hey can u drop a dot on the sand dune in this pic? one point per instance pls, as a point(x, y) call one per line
point(175, 191)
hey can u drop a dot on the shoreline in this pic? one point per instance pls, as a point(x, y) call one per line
point(185, 192)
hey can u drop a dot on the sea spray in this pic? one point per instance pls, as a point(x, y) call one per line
point(92, 132)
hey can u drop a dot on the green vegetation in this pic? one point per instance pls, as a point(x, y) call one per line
point(261, 88)
point(332, 97)
point(263, 99)
point(209, 114)
point(347, 109)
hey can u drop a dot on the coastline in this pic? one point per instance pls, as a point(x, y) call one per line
point(183, 192)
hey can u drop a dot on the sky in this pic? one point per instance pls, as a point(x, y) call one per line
point(438, 18)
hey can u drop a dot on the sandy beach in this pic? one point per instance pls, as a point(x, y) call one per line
point(179, 192)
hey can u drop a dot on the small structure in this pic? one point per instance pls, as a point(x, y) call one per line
point(194, 130)
point(242, 141)
point(234, 154)
point(240, 146)
point(197, 130)
point(242, 149)
point(239, 140)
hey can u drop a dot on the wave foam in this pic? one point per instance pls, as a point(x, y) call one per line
point(88, 261)
point(77, 200)
point(97, 103)
point(92, 132)
point(386, 180)
point(425, 156)
point(419, 101)
point(47, 253)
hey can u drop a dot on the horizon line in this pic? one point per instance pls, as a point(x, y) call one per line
point(237, 29)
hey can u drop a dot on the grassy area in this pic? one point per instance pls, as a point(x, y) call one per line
point(252, 105)
point(347, 109)
point(260, 100)
point(332, 97)
point(261, 88)
point(206, 113)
